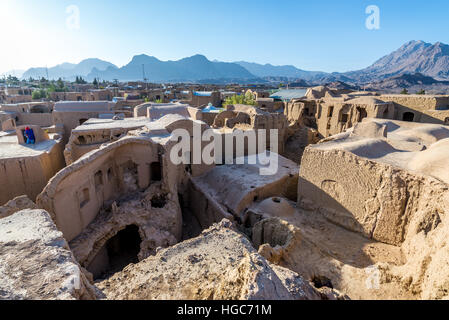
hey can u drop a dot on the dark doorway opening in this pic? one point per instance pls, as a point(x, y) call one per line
point(156, 171)
point(362, 114)
point(408, 116)
point(191, 226)
point(118, 252)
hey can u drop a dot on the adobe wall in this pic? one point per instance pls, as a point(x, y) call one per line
point(197, 101)
point(29, 175)
point(295, 111)
point(336, 117)
point(39, 119)
point(18, 98)
point(209, 117)
point(418, 102)
point(368, 197)
point(249, 118)
point(432, 116)
point(71, 120)
point(8, 125)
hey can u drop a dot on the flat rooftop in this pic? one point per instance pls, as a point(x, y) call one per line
point(84, 106)
point(106, 124)
point(11, 149)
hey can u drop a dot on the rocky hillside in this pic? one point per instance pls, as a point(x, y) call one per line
point(412, 82)
point(413, 57)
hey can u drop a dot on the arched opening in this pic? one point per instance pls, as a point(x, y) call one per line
point(81, 140)
point(446, 121)
point(408, 116)
point(110, 175)
point(385, 114)
point(118, 252)
point(98, 178)
point(362, 114)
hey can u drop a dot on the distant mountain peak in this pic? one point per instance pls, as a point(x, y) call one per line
point(415, 56)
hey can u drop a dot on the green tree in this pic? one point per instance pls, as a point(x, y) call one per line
point(241, 99)
point(60, 84)
point(40, 94)
point(404, 91)
point(12, 80)
point(80, 80)
point(421, 92)
point(36, 95)
point(95, 82)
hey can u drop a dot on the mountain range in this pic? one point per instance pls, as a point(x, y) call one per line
point(414, 57)
point(68, 71)
point(195, 68)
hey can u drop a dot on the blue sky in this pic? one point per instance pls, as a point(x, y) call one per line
point(312, 35)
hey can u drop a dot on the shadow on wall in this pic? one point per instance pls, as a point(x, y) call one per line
point(411, 115)
point(340, 216)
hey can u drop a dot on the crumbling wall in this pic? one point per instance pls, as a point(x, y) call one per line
point(36, 262)
point(16, 205)
point(77, 193)
point(335, 117)
point(301, 112)
point(220, 264)
point(81, 143)
point(155, 212)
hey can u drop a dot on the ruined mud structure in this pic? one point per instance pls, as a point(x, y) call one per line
point(355, 210)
